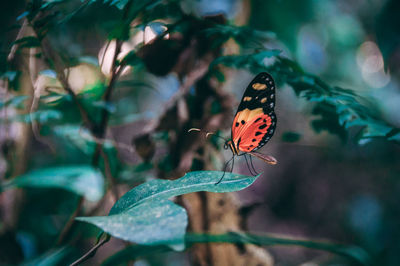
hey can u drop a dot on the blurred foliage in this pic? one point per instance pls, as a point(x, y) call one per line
point(82, 180)
point(65, 35)
point(356, 254)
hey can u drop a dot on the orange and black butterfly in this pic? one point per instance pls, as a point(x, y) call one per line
point(255, 121)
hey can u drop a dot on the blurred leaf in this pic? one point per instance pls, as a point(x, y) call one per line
point(10, 75)
point(78, 136)
point(134, 252)
point(254, 62)
point(131, 59)
point(28, 42)
point(120, 32)
point(156, 190)
point(82, 180)
point(118, 3)
point(338, 109)
point(48, 73)
point(394, 136)
point(388, 30)
point(14, 101)
point(149, 223)
point(24, 14)
point(291, 136)
point(245, 36)
point(157, 27)
point(41, 116)
point(328, 120)
point(50, 258)
point(89, 60)
point(108, 106)
point(354, 253)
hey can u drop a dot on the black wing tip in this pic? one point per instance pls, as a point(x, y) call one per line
point(263, 77)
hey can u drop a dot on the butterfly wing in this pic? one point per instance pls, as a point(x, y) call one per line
point(255, 120)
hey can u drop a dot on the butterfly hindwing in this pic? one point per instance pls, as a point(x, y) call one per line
point(255, 120)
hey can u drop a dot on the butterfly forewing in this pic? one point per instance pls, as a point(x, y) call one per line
point(255, 120)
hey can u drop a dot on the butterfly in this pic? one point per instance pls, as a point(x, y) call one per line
point(255, 121)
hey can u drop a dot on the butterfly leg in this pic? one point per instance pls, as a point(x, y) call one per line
point(251, 163)
point(233, 162)
point(248, 166)
point(226, 165)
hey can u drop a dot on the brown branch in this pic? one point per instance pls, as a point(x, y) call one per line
point(91, 252)
point(97, 130)
point(15, 46)
point(54, 60)
point(70, 222)
point(108, 174)
point(100, 130)
point(191, 79)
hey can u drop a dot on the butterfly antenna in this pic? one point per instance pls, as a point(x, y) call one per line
point(207, 133)
point(251, 163)
point(226, 165)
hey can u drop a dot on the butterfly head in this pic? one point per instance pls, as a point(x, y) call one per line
point(229, 144)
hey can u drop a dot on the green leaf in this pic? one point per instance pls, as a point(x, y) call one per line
point(10, 75)
point(156, 190)
point(394, 136)
point(41, 116)
point(76, 135)
point(150, 223)
point(48, 73)
point(131, 59)
point(120, 32)
point(291, 136)
point(145, 216)
point(354, 253)
point(80, 179)
point(50, 258)
point(29, 41)
point(134, 252)
point(15, 101)
point(254, 62)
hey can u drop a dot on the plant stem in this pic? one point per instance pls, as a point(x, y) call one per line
point(70, 222)
point(91, 252)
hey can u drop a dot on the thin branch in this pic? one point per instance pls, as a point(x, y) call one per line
point(100, 130)
point(190, 80)
point(90, 137)
point(108, 174)
point(55, 61)
point(14, 48)
point(91, 252)
point(70, 222)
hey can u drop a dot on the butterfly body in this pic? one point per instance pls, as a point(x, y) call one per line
point(255, 120)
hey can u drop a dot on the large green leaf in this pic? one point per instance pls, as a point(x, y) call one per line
point(82, 180)
point(354, 253)
point(152, 222)
point(145, 216)
point(157, 189)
